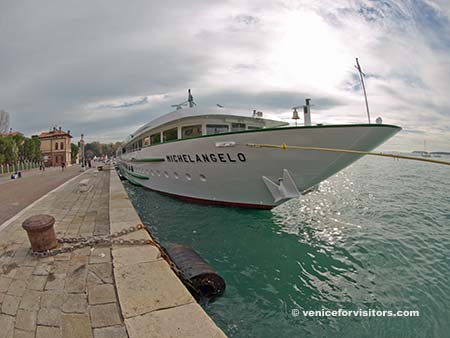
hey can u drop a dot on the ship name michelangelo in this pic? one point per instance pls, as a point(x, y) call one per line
point(205, 158)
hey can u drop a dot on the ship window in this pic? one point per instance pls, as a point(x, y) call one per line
point(212, 129)
point(191, 131)
point(155, 138)
point(146, 141)
point(237, 126)
point(253, 127)
point(171, 134)
point(139, 144)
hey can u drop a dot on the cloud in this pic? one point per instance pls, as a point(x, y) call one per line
point(106, 68)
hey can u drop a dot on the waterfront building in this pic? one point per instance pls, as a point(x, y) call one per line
point(55, 147)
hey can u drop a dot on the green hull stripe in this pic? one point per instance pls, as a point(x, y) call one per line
point(133, 181)
point(147, 160)
point(142, 177)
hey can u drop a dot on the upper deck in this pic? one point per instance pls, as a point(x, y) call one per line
point(194, 122)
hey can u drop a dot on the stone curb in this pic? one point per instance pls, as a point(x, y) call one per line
point(153, 301)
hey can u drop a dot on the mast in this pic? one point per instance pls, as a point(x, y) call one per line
point(358, 67)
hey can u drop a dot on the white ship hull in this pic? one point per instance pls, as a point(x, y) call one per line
point(223, 169)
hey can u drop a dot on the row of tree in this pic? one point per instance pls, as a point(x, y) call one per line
point(101, 149)
point(15, 148)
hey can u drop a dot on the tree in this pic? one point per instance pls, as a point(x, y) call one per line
point(9, 151)
point(73, 151)
point(19, 148)
point(93, 149)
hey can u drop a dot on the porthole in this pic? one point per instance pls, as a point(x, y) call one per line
point(202, 178)
point(175, 174)
point(188, 177)
point(166, 174)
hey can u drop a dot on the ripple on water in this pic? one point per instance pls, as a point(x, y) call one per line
point(376, 236)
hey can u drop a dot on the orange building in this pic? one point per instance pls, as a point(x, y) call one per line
point(55, 147)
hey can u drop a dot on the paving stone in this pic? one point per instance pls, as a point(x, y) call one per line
point(136, 254)
point(55, 281)
point(42, 269)
point(6, 325)
point(75, 303)
point(31, 300)
point(26, 320)
point(76, 275)
point(104, 315)
point(37, 283)
point(103, 271)
point(10, 305)
point(101, 229)
point(4, 284)
point(24, 273)
point(147, 287)
point(83, 251)
point(76, 326)
point(49, 317)
point(52, 299)
point(92, 279)
point(23, 334)
point(48, 332)
point(60, 267)
point(182, 321)
point(22, 251)
point(101, 294)
point(111, 332)
point(17, 288)
point(63, 257)
point(47, 260)
point(100, 255)
point(8, 270)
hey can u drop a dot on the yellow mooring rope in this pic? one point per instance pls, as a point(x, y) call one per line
point(357, 152)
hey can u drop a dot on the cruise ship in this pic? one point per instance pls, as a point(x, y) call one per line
point(211, 155)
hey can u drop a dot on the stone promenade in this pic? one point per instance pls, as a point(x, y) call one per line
point(19, 193)
point(101, 292)
point(69, 295)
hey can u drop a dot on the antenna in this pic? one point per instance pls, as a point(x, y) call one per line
point(190, 102)
point(358, 67)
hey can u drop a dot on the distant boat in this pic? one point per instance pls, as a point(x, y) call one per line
point(425, 153)
point(203, 155)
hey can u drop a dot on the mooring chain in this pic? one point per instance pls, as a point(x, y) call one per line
point(81, 242)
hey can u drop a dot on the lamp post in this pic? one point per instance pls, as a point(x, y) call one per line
point(82, 152)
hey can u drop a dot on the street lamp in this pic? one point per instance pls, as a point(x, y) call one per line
point(82, 152)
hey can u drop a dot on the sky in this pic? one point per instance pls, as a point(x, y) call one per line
point(104, 68)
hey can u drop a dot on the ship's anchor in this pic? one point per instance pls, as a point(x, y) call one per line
point(284, 190)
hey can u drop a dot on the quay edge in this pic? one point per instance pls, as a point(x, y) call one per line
point(152, 299)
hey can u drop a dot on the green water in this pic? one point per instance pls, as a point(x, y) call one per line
point(377, 236)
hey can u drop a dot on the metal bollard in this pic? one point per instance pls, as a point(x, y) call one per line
point(41, 232)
